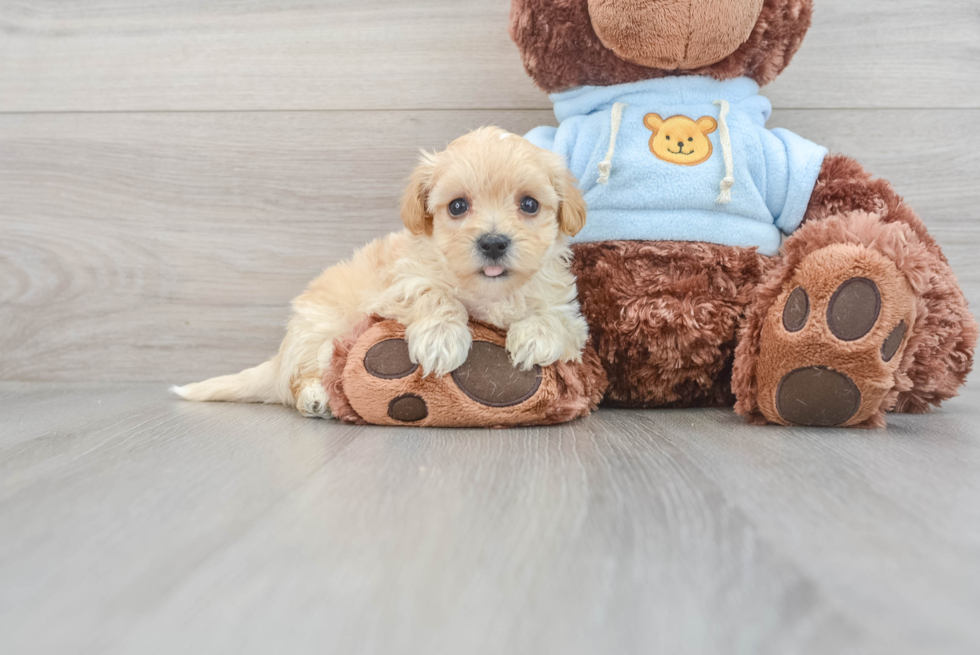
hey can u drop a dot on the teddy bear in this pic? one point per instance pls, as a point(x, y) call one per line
point(724, 263)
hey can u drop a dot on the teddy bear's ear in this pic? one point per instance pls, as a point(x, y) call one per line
point(653, 122)
point(707, 124)
point(415, 210)
point(571, 208)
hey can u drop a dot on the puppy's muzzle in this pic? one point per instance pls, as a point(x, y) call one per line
point(493, 247)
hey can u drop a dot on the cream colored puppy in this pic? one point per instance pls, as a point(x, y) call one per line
point(487, 224)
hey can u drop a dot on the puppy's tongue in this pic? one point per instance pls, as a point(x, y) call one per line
point(493, 271)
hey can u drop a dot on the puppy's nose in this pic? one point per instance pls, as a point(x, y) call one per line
point(493, 246)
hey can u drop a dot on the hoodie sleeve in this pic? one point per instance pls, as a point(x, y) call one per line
point(543, 137)
point(564, 140)
point(792, 167)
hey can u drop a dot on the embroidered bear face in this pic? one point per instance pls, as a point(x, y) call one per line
point(679, 139)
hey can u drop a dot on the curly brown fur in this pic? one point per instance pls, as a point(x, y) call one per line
point(844, 186)
point(663, 317)
point(561, 50)
point(580, 389)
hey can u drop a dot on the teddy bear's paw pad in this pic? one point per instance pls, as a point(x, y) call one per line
point(389, 360)
point(817, 396)
point(854, 309)
point(831, 344)
point(408, 408)
point(797, 310)
point(894, 341)
point(852, 312)
point(489, 378)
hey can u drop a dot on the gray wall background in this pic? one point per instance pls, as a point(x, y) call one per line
point(172, 172)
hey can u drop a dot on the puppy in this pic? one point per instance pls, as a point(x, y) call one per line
point(487, 224)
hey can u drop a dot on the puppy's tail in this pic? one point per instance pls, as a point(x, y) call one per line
point(253, 385)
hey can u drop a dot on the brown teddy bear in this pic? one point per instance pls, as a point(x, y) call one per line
point(723, 262)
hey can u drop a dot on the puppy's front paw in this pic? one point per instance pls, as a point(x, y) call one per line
point(439, 348)
point(536, 342)
point(312, 401)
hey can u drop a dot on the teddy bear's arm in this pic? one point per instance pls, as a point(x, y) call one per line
point(565, 140)
point(793, 165)
point(543, 136)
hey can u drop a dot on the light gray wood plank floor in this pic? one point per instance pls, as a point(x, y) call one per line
point(131, 522)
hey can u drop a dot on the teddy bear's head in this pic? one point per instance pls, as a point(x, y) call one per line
point(569, 43)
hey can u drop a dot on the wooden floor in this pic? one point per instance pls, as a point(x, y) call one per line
point(131, 522)
point(172, 172)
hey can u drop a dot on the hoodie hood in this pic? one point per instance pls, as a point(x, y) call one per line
point(585, 100)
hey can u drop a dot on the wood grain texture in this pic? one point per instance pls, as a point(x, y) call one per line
point(440, 54)
point(167, 246)
point(158, 526)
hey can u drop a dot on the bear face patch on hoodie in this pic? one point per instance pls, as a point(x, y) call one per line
point(683, 159)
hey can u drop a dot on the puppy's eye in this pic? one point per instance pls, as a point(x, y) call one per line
point(668, 137)
point(690, 138)
point(529, 205)
point(458, 207)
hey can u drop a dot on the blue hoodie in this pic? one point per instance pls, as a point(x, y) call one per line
point(683, 159)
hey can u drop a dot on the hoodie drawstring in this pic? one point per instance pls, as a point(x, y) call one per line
point(726, 185)
point(605, 166)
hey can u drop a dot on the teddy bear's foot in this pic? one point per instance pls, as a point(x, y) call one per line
point(833, 340)
point(373, 380)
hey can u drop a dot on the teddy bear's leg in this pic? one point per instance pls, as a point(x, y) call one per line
point(372, 379)
point(663, 317)
point(861, 314)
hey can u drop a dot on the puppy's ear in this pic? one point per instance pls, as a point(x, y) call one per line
point(571, 208)
point(415, 209)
